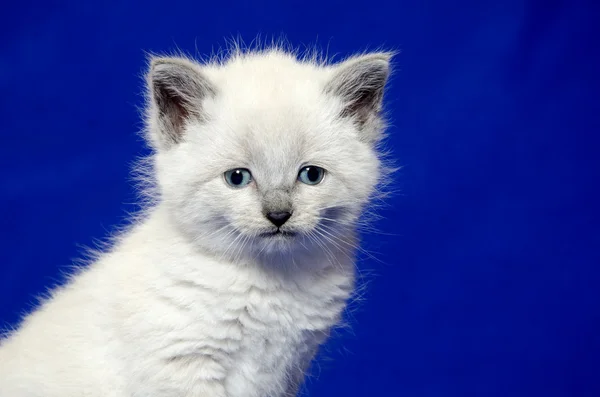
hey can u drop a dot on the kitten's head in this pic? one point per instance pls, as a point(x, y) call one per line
point(265, 153)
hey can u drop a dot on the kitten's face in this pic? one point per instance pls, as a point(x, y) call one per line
point(272, 166)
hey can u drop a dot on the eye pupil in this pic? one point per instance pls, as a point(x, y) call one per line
point(236, 177)
point(313, 174)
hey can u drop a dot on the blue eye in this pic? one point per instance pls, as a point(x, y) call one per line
point(238, 177)
point(311, 175)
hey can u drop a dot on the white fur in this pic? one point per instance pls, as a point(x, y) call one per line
point(191, 301)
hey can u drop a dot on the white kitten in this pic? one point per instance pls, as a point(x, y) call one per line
point(227, 286)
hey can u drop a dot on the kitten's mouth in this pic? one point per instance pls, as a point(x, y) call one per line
point(278, 233)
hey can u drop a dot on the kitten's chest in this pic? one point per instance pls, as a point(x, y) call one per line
point(272, 321)
point(261, 333)
point(280, 331)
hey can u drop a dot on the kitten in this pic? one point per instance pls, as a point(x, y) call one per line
point(235, 275)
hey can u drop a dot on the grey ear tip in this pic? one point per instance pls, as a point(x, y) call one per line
point(378, 66)
point(385, 56)
point(162, 64)
point(157, 61)
point(382, 63)
point(158, 64)
point(379, 62)
point(383, 60)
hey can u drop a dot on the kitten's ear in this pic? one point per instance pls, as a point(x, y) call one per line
point(360, 82)
point(177, 89)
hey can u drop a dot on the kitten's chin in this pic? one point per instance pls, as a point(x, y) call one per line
point(277, 241)
point(278, 234)
point(273, 244)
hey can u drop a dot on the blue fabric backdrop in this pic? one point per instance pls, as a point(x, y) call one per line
point(487, 277)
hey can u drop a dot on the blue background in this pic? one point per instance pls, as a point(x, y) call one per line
point(487, 273)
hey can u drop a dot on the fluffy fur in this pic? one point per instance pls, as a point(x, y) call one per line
point(204, 296)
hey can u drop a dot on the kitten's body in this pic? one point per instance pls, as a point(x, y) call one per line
point(195, 300)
